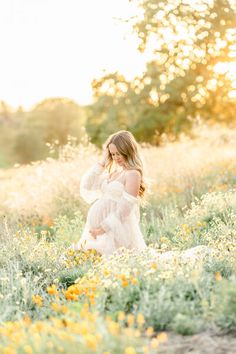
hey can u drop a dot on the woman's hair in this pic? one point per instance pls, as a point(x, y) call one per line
point(129, 149)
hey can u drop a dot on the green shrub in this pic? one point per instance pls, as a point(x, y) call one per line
point(225, 304)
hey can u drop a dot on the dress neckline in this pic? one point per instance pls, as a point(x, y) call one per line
point(115, 179)
point(127, 196)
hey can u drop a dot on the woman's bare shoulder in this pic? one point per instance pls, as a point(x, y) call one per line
point(133, 173)
point(132, 182)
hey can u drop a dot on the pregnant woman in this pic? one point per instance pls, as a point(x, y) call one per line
point(114, 187)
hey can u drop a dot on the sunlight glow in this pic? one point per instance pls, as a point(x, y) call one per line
point(228, 69)
point(57, 47)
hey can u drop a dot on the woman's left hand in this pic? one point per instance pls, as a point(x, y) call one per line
point(96, 232)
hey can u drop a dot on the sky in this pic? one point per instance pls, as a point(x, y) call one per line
point(55, 48)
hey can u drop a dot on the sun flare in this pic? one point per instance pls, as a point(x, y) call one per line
point(56, 48)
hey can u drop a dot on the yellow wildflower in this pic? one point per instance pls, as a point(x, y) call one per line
point(70, 296)
point(64, 309)
point(162, 337)
point(140, 319)
point(55, 307)
point(70, 253)
point(37, 300)
point(52, 290)
point(114, 328)
point(149, 331)
point(125, 283)
point(130, 350)
point(154, 266)
point(106, 272)
point(154, 343)
point(28, 349)
point(121, 315)
point(134, 280)
point(27, 320)
point(91, 341)
point(218, 276)
point(130, 319)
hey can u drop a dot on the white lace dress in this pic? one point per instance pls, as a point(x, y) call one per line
point(113, 209)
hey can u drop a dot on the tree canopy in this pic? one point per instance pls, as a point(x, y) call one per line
point(25, 134)
point(193, 45)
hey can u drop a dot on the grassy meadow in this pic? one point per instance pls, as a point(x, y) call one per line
point(132, 303)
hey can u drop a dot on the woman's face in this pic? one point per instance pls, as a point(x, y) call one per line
point(116, 156)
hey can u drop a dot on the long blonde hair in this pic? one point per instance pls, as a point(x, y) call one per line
point(128, 147)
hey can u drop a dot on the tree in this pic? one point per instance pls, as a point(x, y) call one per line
point(189, 39)
point(52, 120)
point(108, 113)
point(58, 117)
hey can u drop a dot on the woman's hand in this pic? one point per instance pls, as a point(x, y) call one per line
point(105, 157)
point(96, 232)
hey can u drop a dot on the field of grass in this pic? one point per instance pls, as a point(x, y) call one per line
point(173, 301)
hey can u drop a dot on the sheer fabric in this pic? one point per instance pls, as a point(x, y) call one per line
point(113, 209)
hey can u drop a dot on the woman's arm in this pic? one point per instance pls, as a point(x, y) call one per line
point(90, 183)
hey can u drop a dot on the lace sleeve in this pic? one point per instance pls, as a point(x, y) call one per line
point(118, 221)
point(90, 184)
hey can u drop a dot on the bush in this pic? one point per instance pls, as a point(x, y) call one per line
point(225, 304)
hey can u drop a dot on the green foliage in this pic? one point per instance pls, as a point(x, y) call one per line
point(186, 325)
point(68, 230)
point(46, 230)
point(223, 266)
point(24, 135)
point(180, 83)
point(225, 304)
point(27, 267)
point(59, 118)
point(177, 304)
point(67, 277)
point(29, 145)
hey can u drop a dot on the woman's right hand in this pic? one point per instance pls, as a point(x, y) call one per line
point(105, 157)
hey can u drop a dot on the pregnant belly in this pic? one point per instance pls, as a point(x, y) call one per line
point(99, 211)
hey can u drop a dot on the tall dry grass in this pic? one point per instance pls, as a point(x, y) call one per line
point(45, 187)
